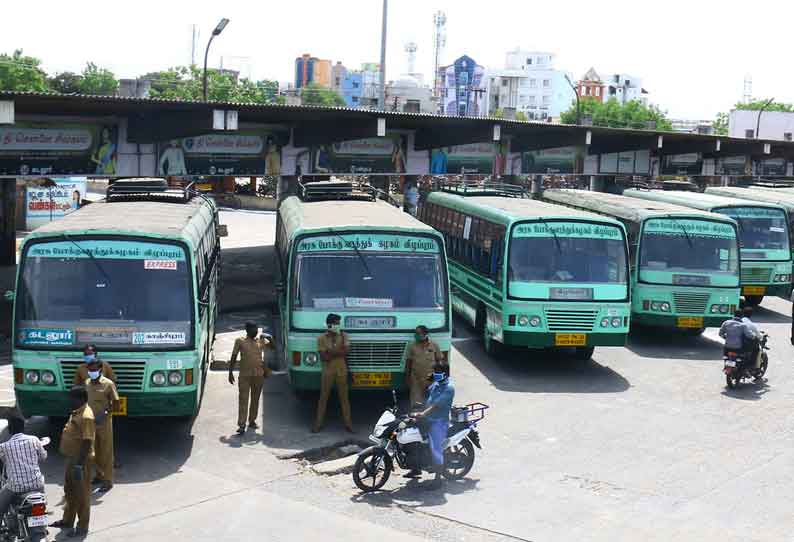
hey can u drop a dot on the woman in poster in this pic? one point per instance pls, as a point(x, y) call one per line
point(322, 160)
point(398, 158)
point(272, 157)
point(172, 161)
point(105, 154)
point(438, 162)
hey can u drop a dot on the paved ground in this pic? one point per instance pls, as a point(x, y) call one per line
point(642, 443)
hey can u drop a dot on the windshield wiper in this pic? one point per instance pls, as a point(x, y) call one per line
point(368, 276)
point(90, 256)
point(556, 239)
point(683, 229)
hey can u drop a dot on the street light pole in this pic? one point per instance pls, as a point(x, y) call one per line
point(216, 32)
point(758, 122)
point(382, 90)
point(576, 93)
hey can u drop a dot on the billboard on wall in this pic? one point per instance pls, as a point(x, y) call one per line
point(731, 165)
point(682, 164)
point(244, 153)
point(559, 160)
point(772, 166)
point(371, 155)
point(45, 148)
point(44, 204)
point(476, 158)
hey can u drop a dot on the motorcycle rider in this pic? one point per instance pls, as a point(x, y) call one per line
point(440, 396)
point(755, 345)
point(735, 332)
point(22, 455)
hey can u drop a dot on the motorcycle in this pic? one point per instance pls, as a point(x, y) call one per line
point(26, 519)
point(739, 366)
point(398, 438)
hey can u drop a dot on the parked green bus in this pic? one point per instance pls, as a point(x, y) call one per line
point(529, 273)
point(341, 250)
point(135, 274)
point(766, 260)
point(684, 262)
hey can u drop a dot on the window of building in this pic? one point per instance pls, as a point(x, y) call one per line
point(356, 85)
point(546, 100)
point(354, 99)
point(546, 83)
point(337, 81)
point(504, 82)
point(787, 136)
point(412, 106)
point(540, 60)
point(749, 134)
point(533, 83)
point(529, 62)
point(598, 91)
point(532, 100)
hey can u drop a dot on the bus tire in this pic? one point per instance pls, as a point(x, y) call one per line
point(493, 348)
point(583, 353)
point(480, 320)
point(753, 300)
point(695, 332)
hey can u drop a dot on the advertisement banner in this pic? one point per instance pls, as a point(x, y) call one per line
point(682, 164)
point(772, 166)
point(28, 148)
point(731, 165)
point(372, 155)
point(110, 249)
point(44, 204)
point(681, 227)
point(568, 229)
point(560, 160)
point(367, 242)
point(475, 158)
point(239, 153)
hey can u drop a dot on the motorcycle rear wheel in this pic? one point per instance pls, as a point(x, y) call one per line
point(458, 460)
point(372, 470)
point(764, 366)
point(732, 380)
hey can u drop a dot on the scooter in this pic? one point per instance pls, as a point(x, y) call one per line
point(738, 366)
point(26, 519)
point(398, 438)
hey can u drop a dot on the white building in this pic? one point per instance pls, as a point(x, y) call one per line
point(408, 95)
point(774, 125)
point(691, 126)
point(530, 84)
point(625, 88)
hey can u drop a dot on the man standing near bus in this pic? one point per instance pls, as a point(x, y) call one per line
point(90, 354)
point(103, 398)
point(253, 372)
point(422, 354)
point(333, 346)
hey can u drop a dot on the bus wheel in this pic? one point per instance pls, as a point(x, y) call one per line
point(583, 353)
point(493, 347)
point(695, 332)
point(753, 300)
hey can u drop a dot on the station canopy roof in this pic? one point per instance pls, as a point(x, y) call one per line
point(155, 119)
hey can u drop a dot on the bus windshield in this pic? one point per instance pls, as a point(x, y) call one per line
point(763, 232)
point(566, 260)
point(119, 295)
point(689, 252)
point(371, 276)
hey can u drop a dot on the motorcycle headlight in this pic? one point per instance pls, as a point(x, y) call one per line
point(311, 358)
point(665, 306)
point(617, 322)
point(605, 322)
point(534, 321)
point(175, 378)
point(523, 321)
point(158, 378)
point(32, 377)
point(48, 378)
point(655, 305)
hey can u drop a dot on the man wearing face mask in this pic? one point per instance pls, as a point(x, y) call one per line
point(333, 346)
point(90, 354)
point(103, 400)
point(440, 396)
point(419, 360)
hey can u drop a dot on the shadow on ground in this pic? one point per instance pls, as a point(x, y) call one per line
point(672, 345)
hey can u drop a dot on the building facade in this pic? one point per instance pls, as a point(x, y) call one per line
point(309, 69)
point(774, 125)
point(408, 95)
point(591, 86)
point(625, 88)
point(351, 88)
point(462, 89)
point(338, 74)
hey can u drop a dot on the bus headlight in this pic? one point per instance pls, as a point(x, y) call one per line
point(605, 322)
point(32, 377)
point(175, 378)
point(715, 309)
point(534, 321)
point(724, 309)
point(158, 378)
point(311, 358)
point(48, 378)
point(655, 305)
point(665, 306)
point(617, 322)
point(782, 278)
point(523, 320)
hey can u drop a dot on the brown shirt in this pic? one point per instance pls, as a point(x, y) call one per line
point(81, 374)
point(101, 395)
point(251, 352)
point(422, 356)
point(79, 427)
point(331, 341)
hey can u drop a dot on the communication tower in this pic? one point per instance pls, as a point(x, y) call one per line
point(439, 41)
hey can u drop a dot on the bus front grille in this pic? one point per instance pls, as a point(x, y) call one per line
point(690, 303)
point(755, 275)
point(570, 320)
point(129, 374)
point(364, 356)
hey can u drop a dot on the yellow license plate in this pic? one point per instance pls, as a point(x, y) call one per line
point(122, 410)
point(371, 380)
point(754, 290)
point(691, 323)
point(570, 339)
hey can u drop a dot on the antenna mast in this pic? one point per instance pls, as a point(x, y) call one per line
point(439, 41)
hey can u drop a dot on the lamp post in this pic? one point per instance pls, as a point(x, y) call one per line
point(384, 26)
point(216, 32)
point(576, 92)
point(758, 121)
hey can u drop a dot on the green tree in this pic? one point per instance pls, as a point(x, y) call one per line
point(613, 114)
point(22, 73)
point(720, 125)
point(185, 83)
point(520, 115)
point(66, 83)
point(98, 81)
point(314, 94)
point(498, 114)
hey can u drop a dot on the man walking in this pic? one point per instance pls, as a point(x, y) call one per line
point(253, 372)
point(103, 398)
point(333, 346)
point(77, 446)
point(21, 455)
point(422, 354)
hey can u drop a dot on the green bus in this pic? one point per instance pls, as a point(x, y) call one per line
point(684, 262)
point(341, 250)
point(765, 253)
point(532, 274)
point(135, 274)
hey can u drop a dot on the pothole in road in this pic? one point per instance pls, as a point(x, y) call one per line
point(337, 458)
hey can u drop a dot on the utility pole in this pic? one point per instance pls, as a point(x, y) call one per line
point(382, 89)
point(760, 111)
point(576, 92)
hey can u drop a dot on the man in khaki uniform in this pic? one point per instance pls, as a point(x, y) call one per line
point(77, 446)
point(333, 346)
point(90, 354)
point(253, 372)
point(103, 400)
point(421, 356)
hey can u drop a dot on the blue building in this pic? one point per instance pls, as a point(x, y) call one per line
point(352, 88)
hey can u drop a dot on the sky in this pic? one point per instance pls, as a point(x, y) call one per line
point(693, 55)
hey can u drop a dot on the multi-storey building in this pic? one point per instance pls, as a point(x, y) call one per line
point(309, 69)
point(462, 89)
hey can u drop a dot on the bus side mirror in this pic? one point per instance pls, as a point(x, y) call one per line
point(10, 295)
point(222, 230)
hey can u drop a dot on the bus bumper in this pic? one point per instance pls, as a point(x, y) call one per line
point(547, 340)
point(56, 403)
point(670, 321)
point(780, 290)
point(302, 380)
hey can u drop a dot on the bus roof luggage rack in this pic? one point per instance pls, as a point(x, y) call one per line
point(148, 190)
point(341, 190)
point(483, 188)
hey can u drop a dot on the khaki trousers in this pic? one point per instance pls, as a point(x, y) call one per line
point(418, 384)
point(334, 372)
point(77, 494)
point(250, 391)
point(103, 450)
